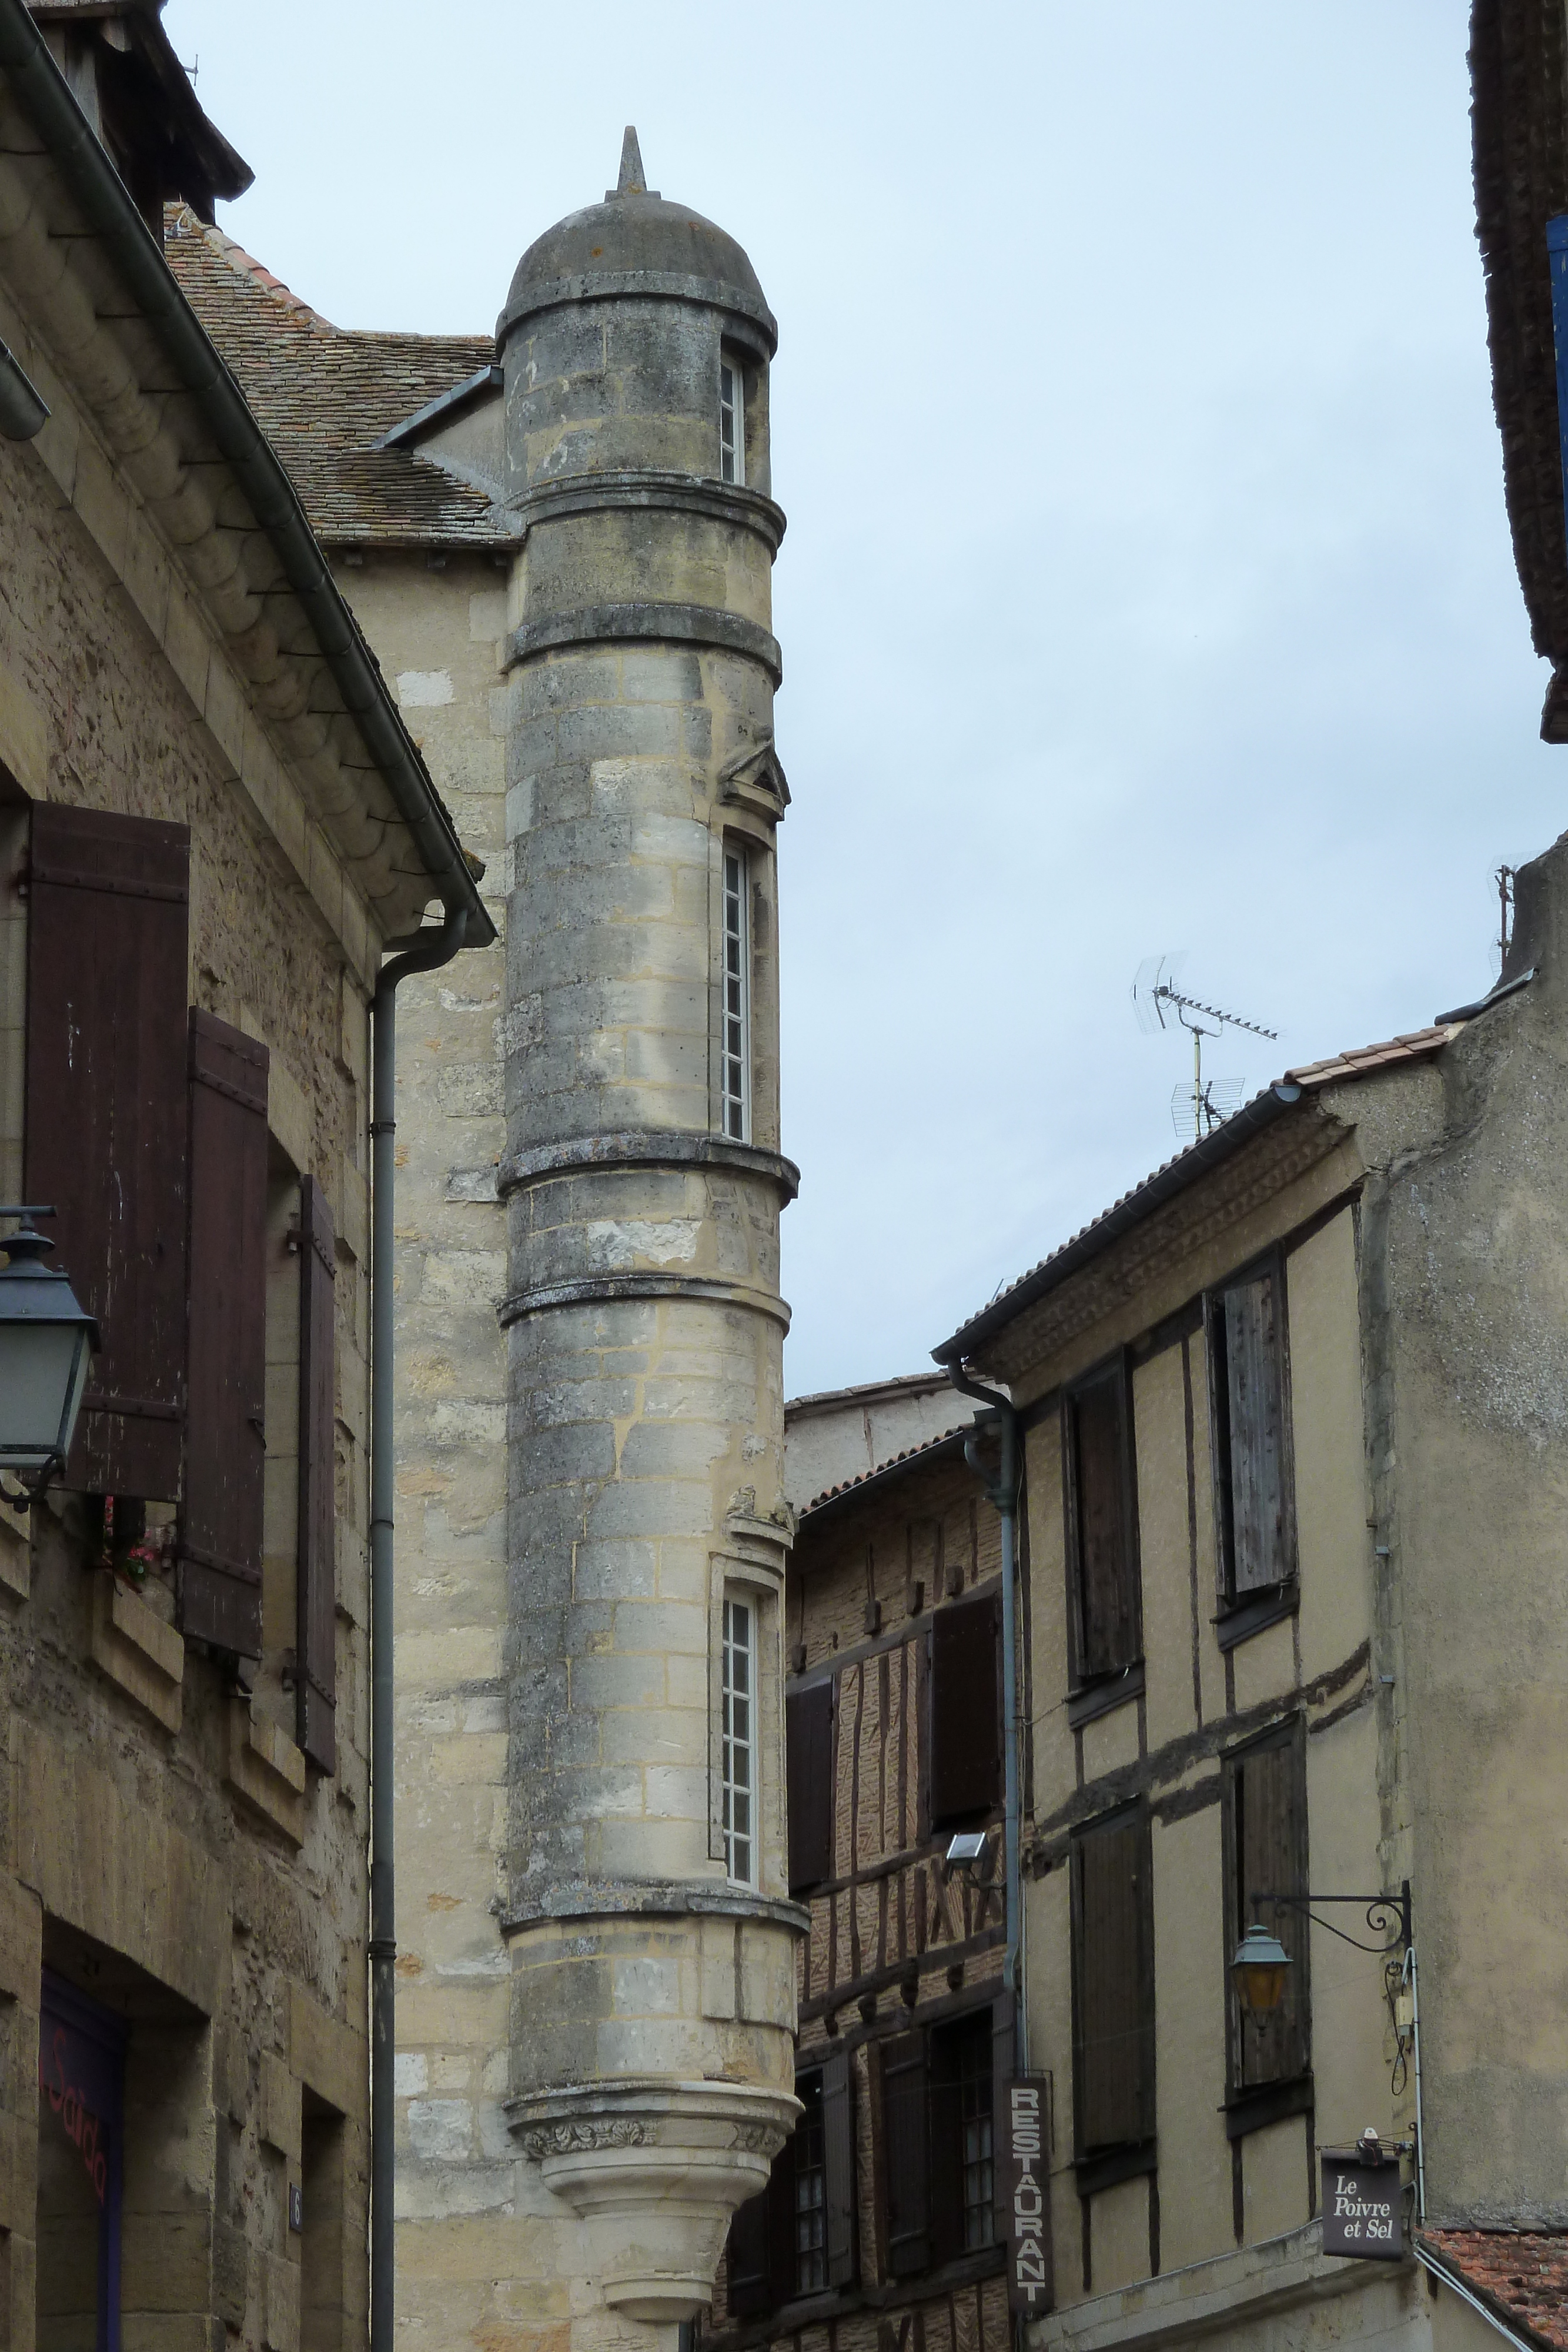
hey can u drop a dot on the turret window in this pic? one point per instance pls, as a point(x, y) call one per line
point(739, 1757)
point(731, 423)
point(735, 1056)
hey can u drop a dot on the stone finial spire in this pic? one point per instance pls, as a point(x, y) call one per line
point(633, 180)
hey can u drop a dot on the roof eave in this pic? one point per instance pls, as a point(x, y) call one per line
point(110, 213)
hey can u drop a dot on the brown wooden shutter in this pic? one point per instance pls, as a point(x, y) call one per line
point(839, 2166)
point(219, 1534)
point(105, 1140)
point(1113, 2053)
point(905, 2154)
point(809, 1741)
point(965, 1711)
point(1259, 1500)
point(316, 1583)
point(1268, 1789)
point(1103, 1532)
point(749, 2281)
point(1001, 2075)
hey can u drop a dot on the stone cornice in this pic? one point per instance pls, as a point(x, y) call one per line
point(648, 1148)
point(596, 1289)
point(759, 327)
point(724, 502)
point(1275, 1160)
point(610, 1898)
point(652, 622)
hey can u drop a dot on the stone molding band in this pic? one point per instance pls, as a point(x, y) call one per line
point(648, 286)
point(647, 623)
point(655, 1899)
point(651, 1148)
point(645, 489)
point(600, 1289)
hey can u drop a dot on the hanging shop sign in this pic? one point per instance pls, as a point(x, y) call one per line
point(1023, 2190)
point(1363, 2206)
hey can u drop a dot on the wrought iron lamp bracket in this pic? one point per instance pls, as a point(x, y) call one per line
point(1386, 1914)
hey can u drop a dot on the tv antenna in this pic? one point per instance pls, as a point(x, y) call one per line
point(1160, 1003)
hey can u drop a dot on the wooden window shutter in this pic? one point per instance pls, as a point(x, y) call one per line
point(749, 2277)
point(906, 2105)
point(1269, 1842)
point(105, 1140)
point(1114, 2020)
point(219, 1534)
point(839, 2166)
point(1002, 2063)
point(1102, 1534)
point(1257, 1506)
point(317, 1582)
point(966, 1771)
point(809, 1743)
point(944, 2139)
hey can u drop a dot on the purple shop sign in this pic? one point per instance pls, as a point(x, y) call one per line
point(81, 2077)
point(1023, 2187)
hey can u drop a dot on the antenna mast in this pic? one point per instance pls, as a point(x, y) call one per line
point(1158, 1003)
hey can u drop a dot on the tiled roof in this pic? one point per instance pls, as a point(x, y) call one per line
point(324, 396)
point(1358, 1062)
point(1522, 2274)
point(949, 1440)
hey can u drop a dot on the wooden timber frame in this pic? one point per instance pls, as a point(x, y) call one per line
point(902, 1957)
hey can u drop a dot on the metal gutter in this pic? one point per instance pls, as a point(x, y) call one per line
point(444, 942)
point(109, 212)
point(1493, 996)
point(1137, 1207)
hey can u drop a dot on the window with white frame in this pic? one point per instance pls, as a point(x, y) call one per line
point(736, 1053)
point(739, 1747)
point(731, 423)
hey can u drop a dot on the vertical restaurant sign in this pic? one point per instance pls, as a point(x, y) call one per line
point(1025, 2186)
point(1363, 2208)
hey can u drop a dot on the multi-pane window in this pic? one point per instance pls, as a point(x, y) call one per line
point(938, 2120)
point(1249, 1387)
point(736, 1074)
point(1265, 1854)
point(976, 2174)
point(731, 423)
point(739, 1741)
point(797, 2236)
point(1113, 1985)
point(1102, 1524)
point(810, 2185)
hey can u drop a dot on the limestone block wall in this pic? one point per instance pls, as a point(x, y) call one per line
point(161, 1842)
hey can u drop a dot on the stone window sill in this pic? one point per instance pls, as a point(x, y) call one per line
point(133, 1647)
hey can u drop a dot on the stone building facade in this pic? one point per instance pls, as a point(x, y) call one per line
point(559, 542)
point(212, 821)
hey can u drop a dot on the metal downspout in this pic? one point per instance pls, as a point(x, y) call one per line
point(1003, 1496)
point(442, 945)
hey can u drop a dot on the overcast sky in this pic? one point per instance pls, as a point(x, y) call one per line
point(1147, 584)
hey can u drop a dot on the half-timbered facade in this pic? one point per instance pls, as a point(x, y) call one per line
point(878, 2225)
point(1296, 1607)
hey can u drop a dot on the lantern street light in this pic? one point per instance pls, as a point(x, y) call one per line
point(1258, 1969)
point(47, 1343)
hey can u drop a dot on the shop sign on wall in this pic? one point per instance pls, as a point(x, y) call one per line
point(1363, 2207)
point(1023, 2187)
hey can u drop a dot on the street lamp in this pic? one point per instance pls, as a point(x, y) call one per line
point(47, 1343)
point(1259, 1969)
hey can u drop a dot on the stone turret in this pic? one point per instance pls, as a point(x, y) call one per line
point(646, 1910)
